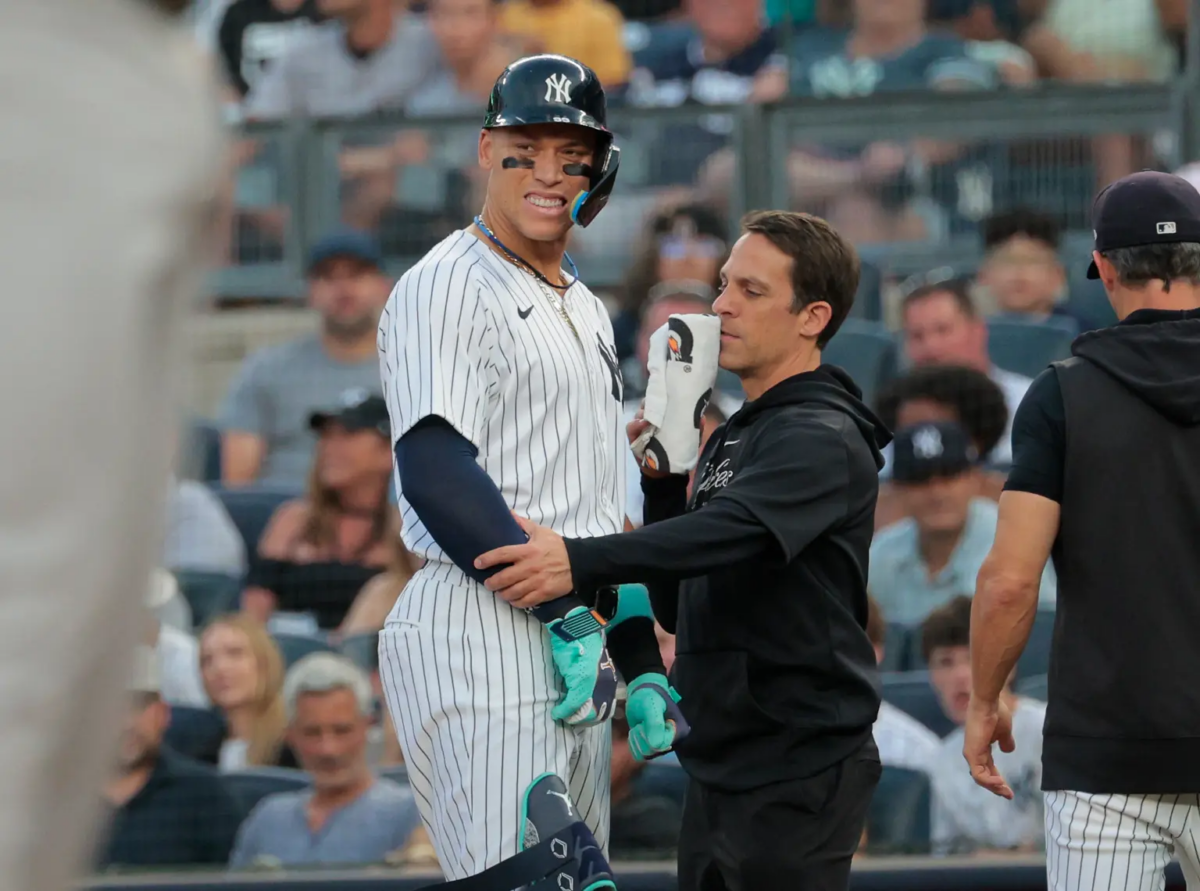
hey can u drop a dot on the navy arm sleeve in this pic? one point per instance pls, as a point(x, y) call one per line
point(1039, 440)
point(467, 516)
point(457, 502)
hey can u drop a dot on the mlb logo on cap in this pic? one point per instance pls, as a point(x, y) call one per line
point(1145, 208)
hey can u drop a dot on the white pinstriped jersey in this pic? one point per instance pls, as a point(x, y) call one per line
point(903, 741)
point(470, 337)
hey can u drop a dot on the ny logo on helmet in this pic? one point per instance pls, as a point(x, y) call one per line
point(558, 88)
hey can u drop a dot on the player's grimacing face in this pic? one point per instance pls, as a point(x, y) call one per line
point(536, 200)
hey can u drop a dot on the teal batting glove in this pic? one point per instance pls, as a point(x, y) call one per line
point(577, 645)
point(655, 720)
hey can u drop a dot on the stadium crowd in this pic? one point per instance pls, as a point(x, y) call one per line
point(255, 737)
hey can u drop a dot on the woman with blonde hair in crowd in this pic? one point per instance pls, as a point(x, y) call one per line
point(243, 673)
point(321, 551)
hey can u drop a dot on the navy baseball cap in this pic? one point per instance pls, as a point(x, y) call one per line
point(1144, 208)
point(932, 449)
point(357, 410)
point(346, 243)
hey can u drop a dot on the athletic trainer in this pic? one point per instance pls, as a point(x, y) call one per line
point(1106, 478)
point(504, 394)
point(762, 575)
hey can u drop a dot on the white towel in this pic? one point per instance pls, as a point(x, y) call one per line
point(683, 369)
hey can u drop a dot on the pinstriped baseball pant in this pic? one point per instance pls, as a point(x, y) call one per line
point(1101, 842)
point(109, 153)
point(469, 684)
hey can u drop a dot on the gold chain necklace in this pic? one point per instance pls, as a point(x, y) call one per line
point(557, 302)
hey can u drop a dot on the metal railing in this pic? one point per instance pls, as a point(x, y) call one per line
point(414, 180)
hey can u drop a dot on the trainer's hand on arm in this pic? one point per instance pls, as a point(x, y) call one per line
point(539, 570)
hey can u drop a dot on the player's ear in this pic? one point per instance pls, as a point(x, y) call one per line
point(487, 147)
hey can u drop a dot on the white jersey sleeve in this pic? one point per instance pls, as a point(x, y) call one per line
point(436, 345)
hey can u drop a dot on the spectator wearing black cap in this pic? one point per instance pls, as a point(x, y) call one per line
point(934, 554)
point(318, 552)
point(1105, 478)
point(944, 393)
point(265, 419)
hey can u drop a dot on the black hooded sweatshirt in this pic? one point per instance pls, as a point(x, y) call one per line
point(763, 577)
point(1113, 435)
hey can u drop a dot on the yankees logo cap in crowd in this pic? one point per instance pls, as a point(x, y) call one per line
point(932, 449)
point(1144, 208)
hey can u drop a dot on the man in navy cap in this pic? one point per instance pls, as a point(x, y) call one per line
point(1105, 477)
point(265, 435)
point(933, 555)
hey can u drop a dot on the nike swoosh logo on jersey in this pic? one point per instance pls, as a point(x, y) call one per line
point(733, 442)
point(524, 313)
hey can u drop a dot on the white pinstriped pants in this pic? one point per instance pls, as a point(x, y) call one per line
point(1100, 842)
point(109, 154)
point(469, 683)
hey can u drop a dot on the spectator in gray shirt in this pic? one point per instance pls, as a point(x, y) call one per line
point(348, 816)
point(265, 434)
point(201, 536)
point(369, 58)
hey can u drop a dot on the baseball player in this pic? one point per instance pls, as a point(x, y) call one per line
point(112, 153)
point(504, 393)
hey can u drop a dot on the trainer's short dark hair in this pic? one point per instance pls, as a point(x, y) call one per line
point(974, 398)
point(1033, 224)
point(958, 288)
point(824, 265)
point(1138, 266)
point(947, 626)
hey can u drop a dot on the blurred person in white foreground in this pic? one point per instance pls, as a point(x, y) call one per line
point(112, 154)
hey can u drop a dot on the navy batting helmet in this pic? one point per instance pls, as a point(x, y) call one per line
point(551, 89)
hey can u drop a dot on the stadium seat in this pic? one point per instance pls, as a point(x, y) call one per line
point(1035, 687)
point(910, 692)
point(203, 453)
point(397, 773)
point(897, 646)
point(254, 784)
point(868, 300)
point(867, 351)
point(1036, 658)
point(209, 594)
point(196, 733)
point(1027, 347)
point(295, 647)
point(251, 507)
point(362, 650)
point(899, 817)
